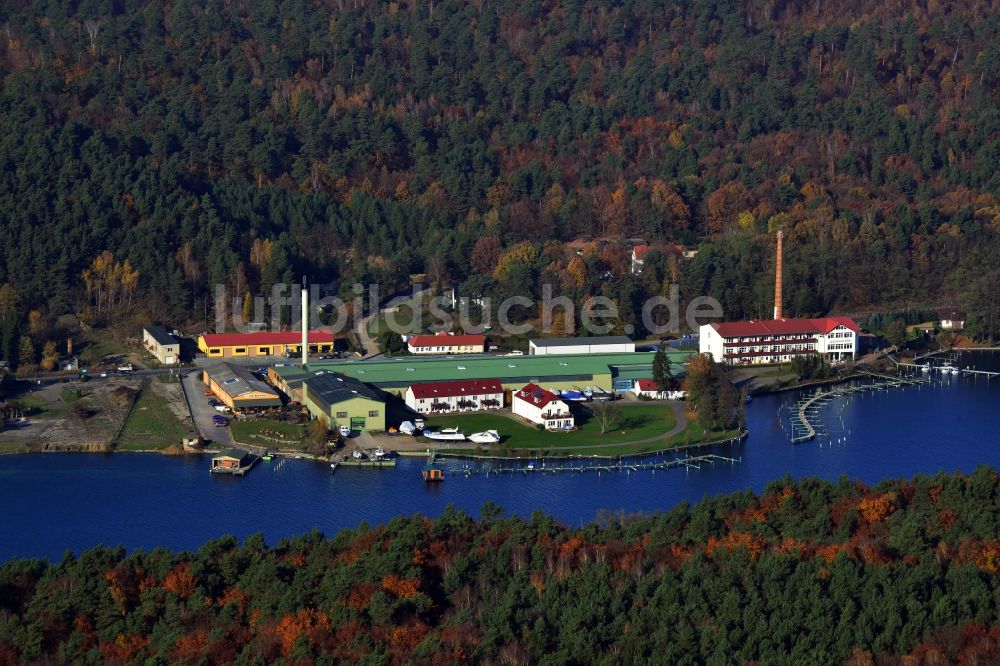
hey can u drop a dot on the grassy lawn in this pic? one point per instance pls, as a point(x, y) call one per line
point(151, 425)
point(95, 350)
point(632, 423)
point(262, 432)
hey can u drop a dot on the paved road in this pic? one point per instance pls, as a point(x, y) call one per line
point(194, 389)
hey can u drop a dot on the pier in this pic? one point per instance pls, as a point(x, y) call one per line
point(620, 465)
point(805, 424)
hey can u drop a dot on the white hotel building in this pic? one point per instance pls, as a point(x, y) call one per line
point(779, 340)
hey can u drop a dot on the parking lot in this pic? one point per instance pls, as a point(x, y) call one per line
point(203, 412)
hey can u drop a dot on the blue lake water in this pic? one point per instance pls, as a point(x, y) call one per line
point(55, 502)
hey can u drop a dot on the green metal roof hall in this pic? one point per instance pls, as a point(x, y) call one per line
point(559, 371)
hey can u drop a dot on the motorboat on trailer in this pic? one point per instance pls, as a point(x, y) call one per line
point(407, 428)
point(485, 437)
point(445, 434)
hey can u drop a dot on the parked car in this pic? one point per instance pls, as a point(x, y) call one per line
point(220, 421)
point(213, 402)
point(345, 431)
point(221, 408)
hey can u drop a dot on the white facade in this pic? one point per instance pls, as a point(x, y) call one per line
point(542, 407)
point(595, 345)
point(161, 344)
point(779, 341)
point(447, 397)
point(446, 344)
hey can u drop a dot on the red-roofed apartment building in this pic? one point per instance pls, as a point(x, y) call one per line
point(779, 340)
point(459, 396)
point(446, 343)
point(543, 407)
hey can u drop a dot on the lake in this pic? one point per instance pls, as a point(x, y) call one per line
point(56, 502)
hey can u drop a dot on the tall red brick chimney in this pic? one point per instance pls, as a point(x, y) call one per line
point(777, 282)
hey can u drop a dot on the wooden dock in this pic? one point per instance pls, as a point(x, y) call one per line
point(805, 424)
point(620, 465)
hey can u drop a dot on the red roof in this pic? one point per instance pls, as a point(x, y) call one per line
point(741, 329)
point(264, 338)
point(536, 395)
point(459, 388)
point(647, 385)
point(446, 340)
point(639, 251)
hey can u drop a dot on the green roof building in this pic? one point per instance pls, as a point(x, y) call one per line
point(343, 401)
point(610, 371)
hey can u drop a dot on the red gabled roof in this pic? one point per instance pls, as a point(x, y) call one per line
point(827, 324)
point(535, 395)
point(451, 389)
point(639, 251)
point(740, 329)
point(446, 340)
point(647, 385)
point(264, 338)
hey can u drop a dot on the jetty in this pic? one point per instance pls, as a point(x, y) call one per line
point(360, 457)
point(582, 466)
point(805, 421)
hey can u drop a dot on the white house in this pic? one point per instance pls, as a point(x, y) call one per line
point(543, 407)
point(446, 343)
point(639, 258)
point(459, 396)
point(952, 320)
point(159, 342)
point(607, 344)
point(646, 388)
point(779, 340)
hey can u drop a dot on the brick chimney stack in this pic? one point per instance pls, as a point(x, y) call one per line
point(777, 282)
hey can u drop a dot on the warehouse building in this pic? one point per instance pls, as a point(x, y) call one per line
point(263, 343)
point(239, 389)
point(609, 372)
point(343, 401)
point(159, 342)
point(609, 344)
point(460, 396)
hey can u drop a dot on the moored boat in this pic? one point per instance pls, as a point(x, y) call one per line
point(445, 434)
point(485, 437)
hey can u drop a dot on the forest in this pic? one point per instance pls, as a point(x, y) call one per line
point(812, 572)
point(497, 146)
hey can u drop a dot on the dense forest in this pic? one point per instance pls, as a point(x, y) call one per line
point(176, 146)
point(811, 572)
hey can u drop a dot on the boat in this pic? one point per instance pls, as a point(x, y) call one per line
point(573, 396)
point(358, 454)
point(418, 424)
point(266, 456)
point(588, 393)
point(407, 428)
point(955, 371)
point(485, 437)
point(925, 368)
point(378, 453)
point(445, 434)
point(530, 467)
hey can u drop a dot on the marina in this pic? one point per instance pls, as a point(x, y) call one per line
point(804, 425)
point(147, 500)
point(627, 465)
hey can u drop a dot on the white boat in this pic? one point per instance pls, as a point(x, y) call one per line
point(955, 371)
point(445, 434)
point(418, 424)
point(947, 367)
point(485, 437)
point(407, 428)
point(588, 393)
point(358, 454)
point(378, 453)
point(925, 368)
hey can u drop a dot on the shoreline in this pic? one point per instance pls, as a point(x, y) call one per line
point(740, 437)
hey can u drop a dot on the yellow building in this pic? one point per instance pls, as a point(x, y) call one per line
point(263, 343)
point(239, 389)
